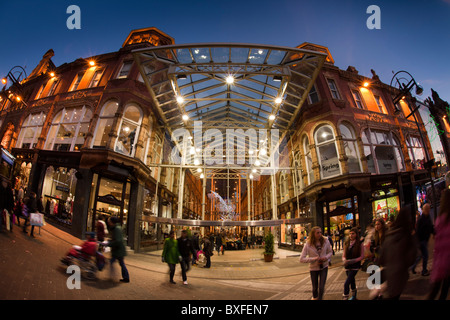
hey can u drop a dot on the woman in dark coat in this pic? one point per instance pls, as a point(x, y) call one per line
point(398, 253)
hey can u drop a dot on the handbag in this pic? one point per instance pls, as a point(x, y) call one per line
point(37, 219)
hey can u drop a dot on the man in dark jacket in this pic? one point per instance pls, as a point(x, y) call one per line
point(208, 251)
point(6, 201)
point(423, 230)
point(186, 248)
point(118, 250)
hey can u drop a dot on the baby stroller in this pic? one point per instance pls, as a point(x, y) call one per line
point(86, 257)
point(201, 259)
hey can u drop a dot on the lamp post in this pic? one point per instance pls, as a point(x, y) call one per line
point(405, 82)
point(16, 75)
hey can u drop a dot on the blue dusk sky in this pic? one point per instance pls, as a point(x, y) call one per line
point(414, 35)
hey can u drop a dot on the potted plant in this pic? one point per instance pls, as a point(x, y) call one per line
point(268, 247)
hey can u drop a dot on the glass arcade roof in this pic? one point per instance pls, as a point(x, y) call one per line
point(228, 86)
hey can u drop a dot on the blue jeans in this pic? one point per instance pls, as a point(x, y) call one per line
point(423, 245)
point(125, 274)
point(350, 282)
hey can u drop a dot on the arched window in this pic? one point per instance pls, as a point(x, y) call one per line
point(129, 130)
point(31, 130)
point(308, 160)
point(327, 152)
point(350, 148)
point(104, 124)
point(68, 130)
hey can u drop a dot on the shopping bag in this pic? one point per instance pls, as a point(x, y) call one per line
point(36, 219)
point(7, 220)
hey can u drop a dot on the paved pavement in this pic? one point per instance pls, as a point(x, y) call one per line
point(30, 270)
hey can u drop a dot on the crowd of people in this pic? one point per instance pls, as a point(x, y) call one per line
point(14, 207)
point(394, 248)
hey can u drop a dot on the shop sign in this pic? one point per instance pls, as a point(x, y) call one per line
point(330, 167)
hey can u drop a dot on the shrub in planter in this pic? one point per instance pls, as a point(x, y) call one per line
point(268, 247)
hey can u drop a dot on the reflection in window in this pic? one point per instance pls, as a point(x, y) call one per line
point(31, 130)
point(382, 151)
point(350, 148)
point(129, 131)
point(68, 130)
point(104, 124)
point(327, 152)
point(308, 160)
point(416, 152)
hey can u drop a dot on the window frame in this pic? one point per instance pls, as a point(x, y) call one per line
point(322, 144)
point(335, 90)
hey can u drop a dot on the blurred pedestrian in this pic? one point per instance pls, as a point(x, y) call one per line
point(171, 254)
point(6, 203)
point(440, 273)
point(118, 250)
point(185, 248)
point(219, 243)
point(398, 253)
point(378, 239)
point(101, 228)
point(423, 231)
point(352, 256)
point(196, 246)
point(207, 251)
point(317, 252)
point(30, 207)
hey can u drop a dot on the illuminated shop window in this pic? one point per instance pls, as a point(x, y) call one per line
point(68, 130)
point(31, 130)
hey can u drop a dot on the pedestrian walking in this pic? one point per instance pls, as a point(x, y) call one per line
point(440, 273)
point(218, 243)
point(6, 203)
point(118, 251)
point(352, 256)
point(207, 251)
point(171, 254)
point(424, 230)
point(101, 228)
point(196, 247)
point(398, 253)
point(185, 248)
point(378, 239)
point(30, 207)
point(317, 252)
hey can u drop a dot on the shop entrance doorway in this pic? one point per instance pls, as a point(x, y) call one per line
point(109, 198)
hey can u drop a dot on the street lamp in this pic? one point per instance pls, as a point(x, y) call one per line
point(405, 83)
point(16, 75)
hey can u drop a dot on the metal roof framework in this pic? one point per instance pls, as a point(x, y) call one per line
point(228, 86)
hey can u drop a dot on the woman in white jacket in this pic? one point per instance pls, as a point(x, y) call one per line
point(317, 252)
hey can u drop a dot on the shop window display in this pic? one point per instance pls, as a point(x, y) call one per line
point(58, 193)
